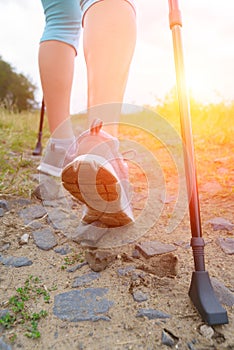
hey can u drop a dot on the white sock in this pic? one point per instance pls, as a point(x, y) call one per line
point(65, 143)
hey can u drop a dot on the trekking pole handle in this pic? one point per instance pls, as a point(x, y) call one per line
point(174, 13)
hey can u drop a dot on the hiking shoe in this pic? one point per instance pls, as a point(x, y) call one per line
point(98, 177)
point(54, 160)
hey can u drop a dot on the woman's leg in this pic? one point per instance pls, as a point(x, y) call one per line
point(57, 51)
point(109, 42)
point(56, 63)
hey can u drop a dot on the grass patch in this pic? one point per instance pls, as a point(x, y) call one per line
point(18, 135)
point(212, 125)
point(22, 306)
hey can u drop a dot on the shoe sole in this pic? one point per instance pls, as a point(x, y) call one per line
point(93, 181)
point(49, 169)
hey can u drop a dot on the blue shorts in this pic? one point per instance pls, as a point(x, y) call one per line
point(64, 19)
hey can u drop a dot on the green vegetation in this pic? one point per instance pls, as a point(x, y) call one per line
point(16, 91)
point(18, 135)
point(22, 308)
point(213, 126)
point(213, 123)
point(72, 259)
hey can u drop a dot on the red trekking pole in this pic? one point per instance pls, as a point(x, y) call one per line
point(201, 291)
point(38, 149)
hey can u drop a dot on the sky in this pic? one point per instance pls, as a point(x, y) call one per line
point(208, 45)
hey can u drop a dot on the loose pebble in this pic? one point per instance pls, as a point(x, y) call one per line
point(139, 296)
point(24, 239)
point(206, 331)
point(98, 260)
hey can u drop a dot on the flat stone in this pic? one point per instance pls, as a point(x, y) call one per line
point(152, 314)
point(85, 279)
point(152, 248)
point(227, 244)
point(44, 239)
point(32, 213)
point(139, 296)
point(224, 294)
point(15, 261)
point(219, 223)
point(98, 260)
point(82, 305)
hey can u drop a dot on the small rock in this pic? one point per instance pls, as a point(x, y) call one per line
point(4, 205)
point(63, 250)
point(4, 246)
point(15, 261)
point(44, 239)
point(98, 260)
point(136, 254)
point(82, 305)
point(224, 294)
point(152, 248)
point(24, 239)
point(58, 219)
point(139, 296)
point(191, 344)
point(227, 244)
point(83, 280)
point(89, 235)
point(48, 189)
point(77, 267)
point(125, 270)
point(35, 225)
point(164, 265)
point(152, 314)
point(167, 339)
point(206, 331)
point(31, 213)
point(219, 223)
point(2, 212)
